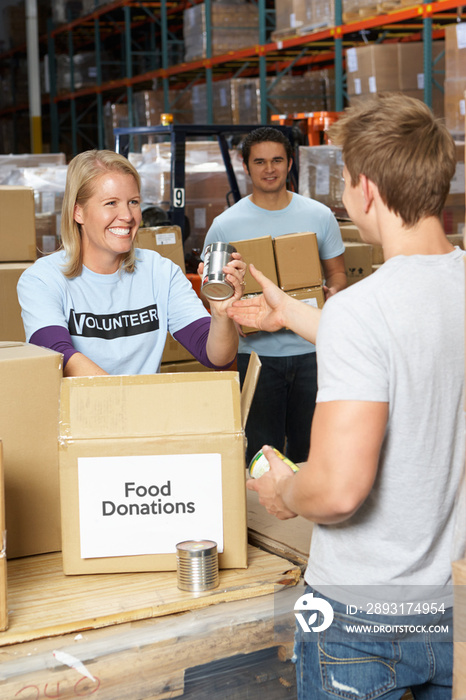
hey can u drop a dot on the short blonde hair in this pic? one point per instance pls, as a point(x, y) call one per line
point(396, 142)
point(82, 172)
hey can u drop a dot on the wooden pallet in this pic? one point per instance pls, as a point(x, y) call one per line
point(43, 602)
point(154, 658)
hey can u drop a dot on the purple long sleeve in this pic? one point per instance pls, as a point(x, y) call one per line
point(55, 338)
point(194, 338)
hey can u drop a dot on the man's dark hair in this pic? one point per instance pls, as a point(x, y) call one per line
point(265, 133)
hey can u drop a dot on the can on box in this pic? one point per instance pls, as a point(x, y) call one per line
point(259, 464)
point(214, 284)
point(197, 565)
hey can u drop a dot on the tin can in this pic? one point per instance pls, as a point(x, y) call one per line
point(197, 565)
point(259, 464)
point(214, 284)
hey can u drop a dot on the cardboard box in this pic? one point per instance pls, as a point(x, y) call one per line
point(3, 572)
point(30, 378)
point(165, 240)
point(166, 423)
point(313, 296)
point(350, 232)
point(17, 224)
point(258, 251)
point(358, 261)
point(11, 324)
point(297, 261)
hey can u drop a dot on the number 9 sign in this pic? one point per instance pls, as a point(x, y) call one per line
point(178, 197)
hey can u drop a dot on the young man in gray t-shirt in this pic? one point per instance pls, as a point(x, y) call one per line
point(384, 480)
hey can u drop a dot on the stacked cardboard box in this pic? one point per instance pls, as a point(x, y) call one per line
point(298, 17)
point(291, 261)
point(30, 378)
point(378, 68)
point(361, 259)
point(17, 251)
point(320, 176)
point(455, 77)
point(233, 26)
point(46, 174)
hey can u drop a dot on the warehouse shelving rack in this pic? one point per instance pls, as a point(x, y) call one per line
point(150, 31)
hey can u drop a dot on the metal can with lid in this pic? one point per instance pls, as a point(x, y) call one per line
point(259, 464)
point(214, 284)
point(197, 565)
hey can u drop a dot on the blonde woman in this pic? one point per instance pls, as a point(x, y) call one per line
point(106, 305)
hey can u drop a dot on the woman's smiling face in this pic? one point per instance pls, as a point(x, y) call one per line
point(109, 221)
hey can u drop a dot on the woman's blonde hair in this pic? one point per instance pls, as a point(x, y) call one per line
point(82, 172)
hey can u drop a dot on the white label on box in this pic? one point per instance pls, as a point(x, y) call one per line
point(457, 181)
point(310, 302)
point(168, 238)
point(200, 217)
point(292, 20)
point(357, 86)
point(323, 179)
point(351, 60)
point(372, 84)
point(462, 107)
point(461, 35)
point(223, 97)
point(146, 504)
point(420, 81)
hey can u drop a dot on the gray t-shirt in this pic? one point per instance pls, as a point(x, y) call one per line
point(398, 337)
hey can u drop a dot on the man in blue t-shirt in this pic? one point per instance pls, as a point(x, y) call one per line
point(284, 401)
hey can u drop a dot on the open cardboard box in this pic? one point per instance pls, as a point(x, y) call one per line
point(128, 442)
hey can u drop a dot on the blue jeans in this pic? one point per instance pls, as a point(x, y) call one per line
point(283, 405)
point(336, 663)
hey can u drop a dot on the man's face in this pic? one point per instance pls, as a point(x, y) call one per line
point(268, 167)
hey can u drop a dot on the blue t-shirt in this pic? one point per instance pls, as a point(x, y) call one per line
point(120, 321)
point(246, 220)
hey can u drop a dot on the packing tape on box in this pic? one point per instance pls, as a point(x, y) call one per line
point(3, 549)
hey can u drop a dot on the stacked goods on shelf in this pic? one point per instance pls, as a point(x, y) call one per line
point(354, 10)
point(455, 77)
point(237, 100)
point(299, 17)
point(115, 116)
point(234, 25)
point(378, 68)
point(206, 184)
point(291, 261)
point(320, 177)
point(454, 212)
point(83, 68)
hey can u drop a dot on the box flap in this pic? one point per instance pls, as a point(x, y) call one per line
point(191, 403)
point(249, 386)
